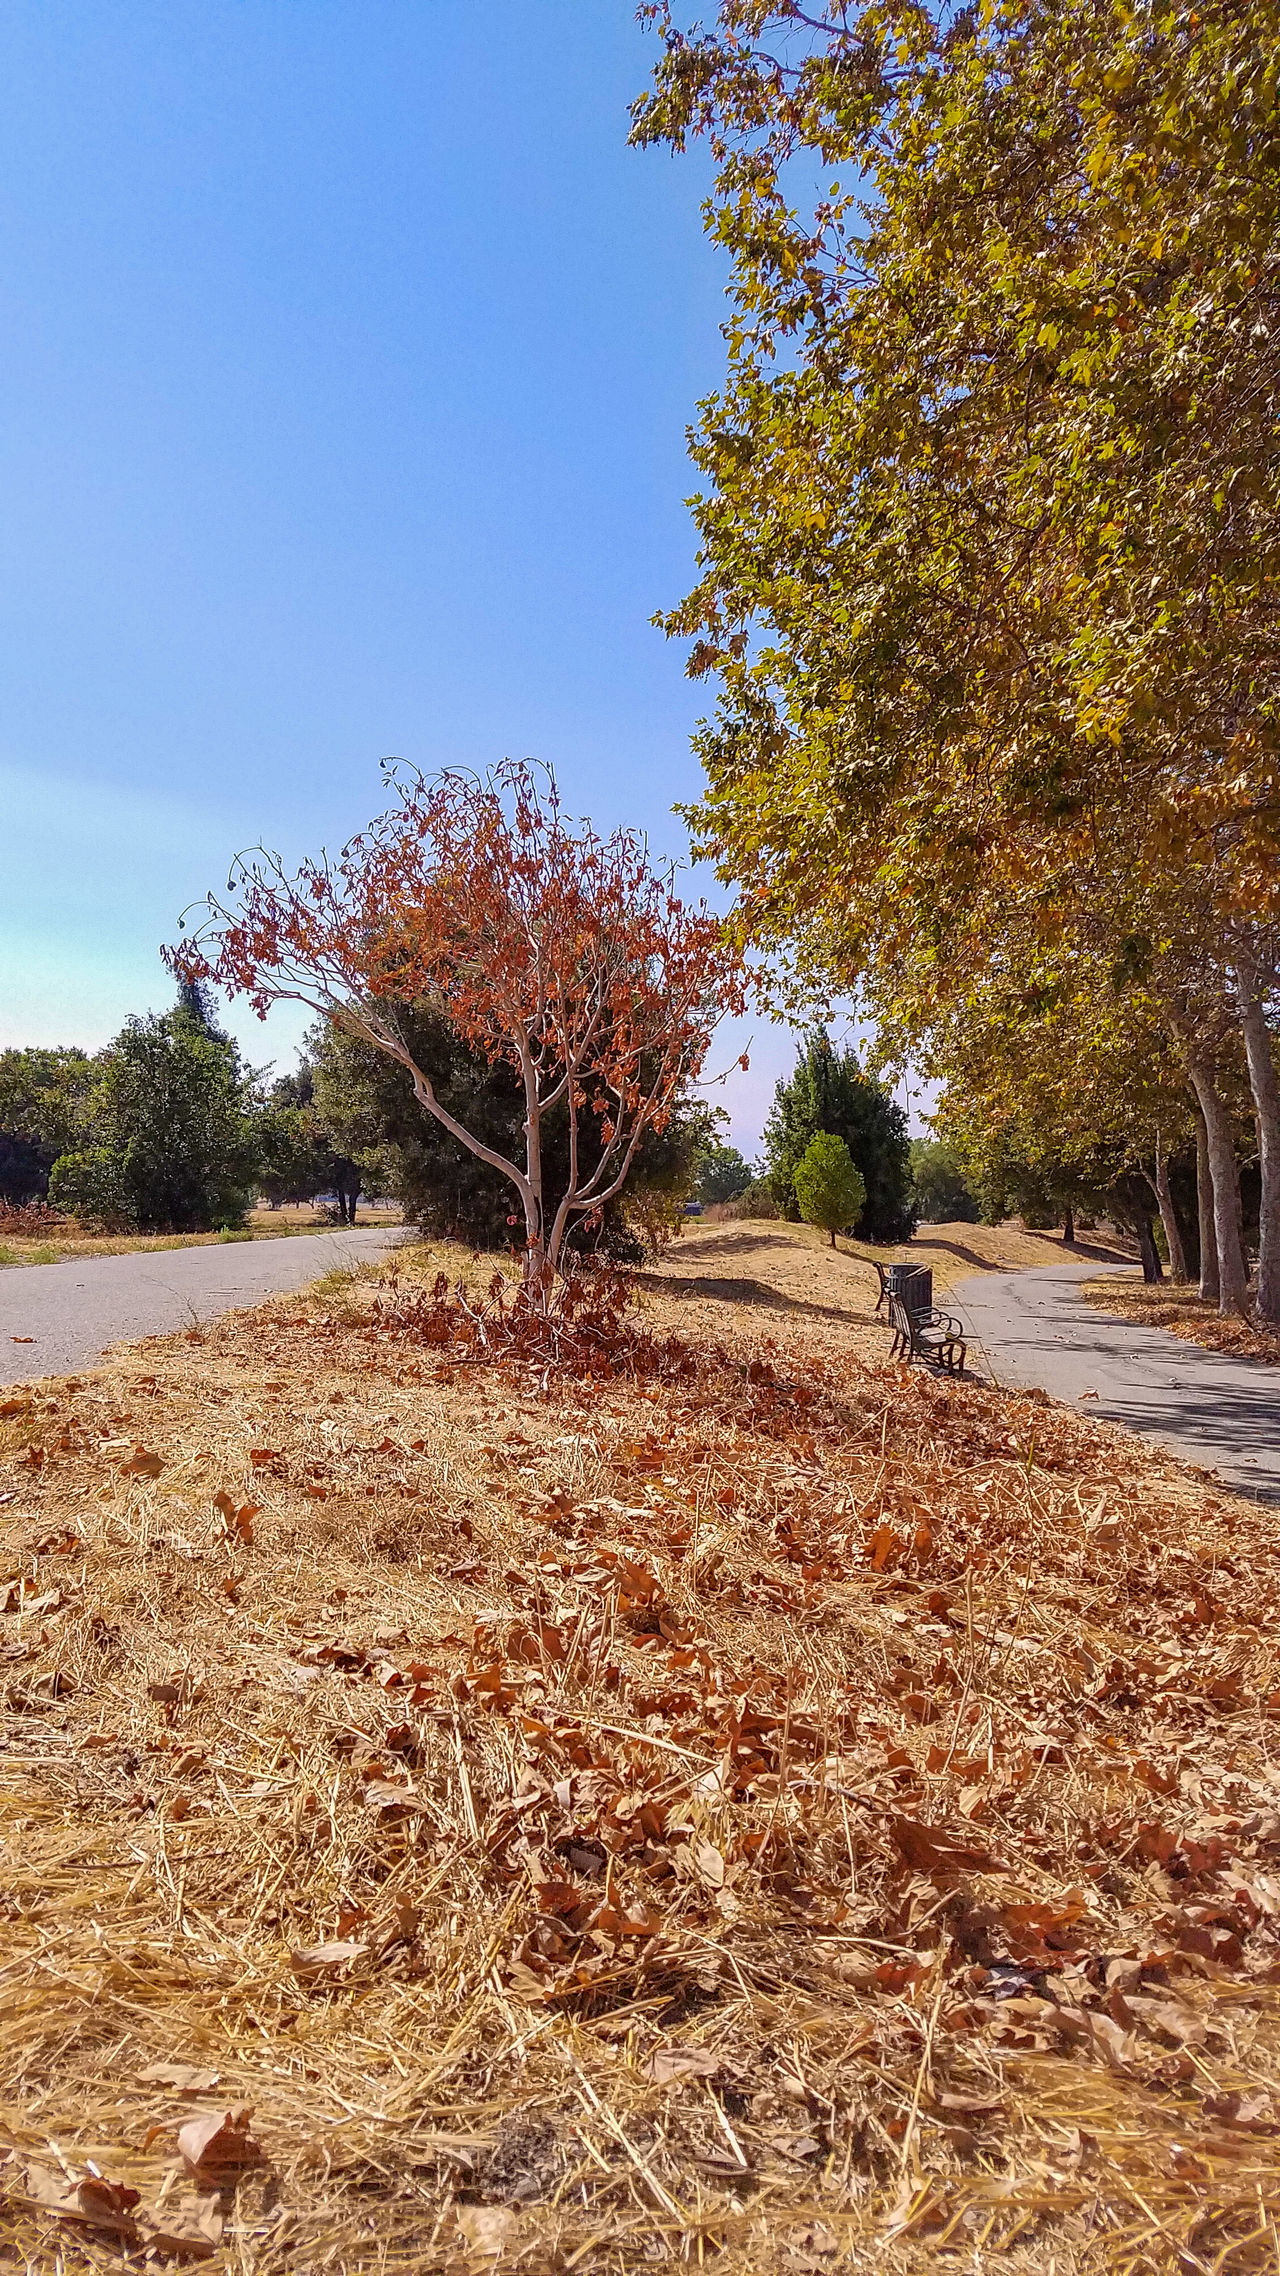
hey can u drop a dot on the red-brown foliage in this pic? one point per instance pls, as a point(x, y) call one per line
point(592, 1334)
point(569, 956)
point(30, 1218)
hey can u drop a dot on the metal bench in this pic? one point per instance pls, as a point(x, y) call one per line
point(883, 1271)
point(936, 1337)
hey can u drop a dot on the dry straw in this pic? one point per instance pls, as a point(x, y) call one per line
point(742, 1805)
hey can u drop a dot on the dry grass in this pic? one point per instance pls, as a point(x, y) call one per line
point(956, 1250)
point(1181, 1311)
point(781, 1813)
point(68, 1241)
point(762, 1261)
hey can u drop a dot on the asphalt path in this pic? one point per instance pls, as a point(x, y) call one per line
point(1034, 1328)
point(57, 1317)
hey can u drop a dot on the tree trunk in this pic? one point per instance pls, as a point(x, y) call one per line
point(1266, 1107)
point(833, 1240)
point(1152, 1269)
point(1168, 1215)
point(1204, 1210)
point(1233, 1279)
point(1068, 1227)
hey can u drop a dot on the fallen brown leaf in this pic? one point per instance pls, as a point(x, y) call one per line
point(193, 2232)
point(1246, 2113)
point(965, 2105)
point(313, 1961)
point(666, 2064)
point(930, 1850)
point(102, 2204)
point(219, 2138)
point(237, 1522)
point(489, 2230)
point(141, 1464)
point(184, 2078)
point(710, 1863)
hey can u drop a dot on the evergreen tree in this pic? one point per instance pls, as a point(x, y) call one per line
point(829, 1091)
point(171, 1129)
point(197, 1002)
point(365, 1101)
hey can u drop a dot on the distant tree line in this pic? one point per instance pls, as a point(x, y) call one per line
point(168, 1130)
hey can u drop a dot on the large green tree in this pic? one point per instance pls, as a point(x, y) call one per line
point(723, 1173)
point(170, 1130)
point(43, 1106)
point(942, 1193)
point(298, 1158)
point(990, 537)
point(829, 1091)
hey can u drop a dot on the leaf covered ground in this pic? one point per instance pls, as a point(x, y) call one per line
point(711, 1797)
point(1180, 1310)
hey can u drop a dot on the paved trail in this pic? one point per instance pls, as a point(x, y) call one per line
point(1034, 1328)
point(74, 1311)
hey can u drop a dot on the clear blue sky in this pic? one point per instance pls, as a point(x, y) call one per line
point(349, 352)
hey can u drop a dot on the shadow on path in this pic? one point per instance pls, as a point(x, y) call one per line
point(1210, 1409)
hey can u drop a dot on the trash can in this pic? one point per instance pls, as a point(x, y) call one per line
point(913, 1284)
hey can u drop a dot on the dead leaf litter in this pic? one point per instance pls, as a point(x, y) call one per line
point(691, 1796)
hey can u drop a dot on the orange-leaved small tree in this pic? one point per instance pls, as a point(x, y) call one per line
point(568, 955)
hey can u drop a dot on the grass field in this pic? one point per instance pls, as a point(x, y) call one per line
point(749, 1806)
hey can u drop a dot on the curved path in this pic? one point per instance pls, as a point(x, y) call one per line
point(73, 1312)
point(1220, 1413)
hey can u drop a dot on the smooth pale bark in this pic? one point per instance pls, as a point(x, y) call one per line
point(1168, 1214)
point(1266, 1108)
point(1204, 1208)
point(1233, 1277)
